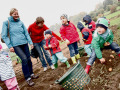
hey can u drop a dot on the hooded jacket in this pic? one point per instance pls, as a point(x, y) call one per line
point(69, 32)
point(91, 24)
point(18, 33)
point(98, 42)
point(54, 45)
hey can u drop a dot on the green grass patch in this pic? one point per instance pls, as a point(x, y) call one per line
point(115, 21)
point(118, 8)
point(13, 56)
point(113, 15)
point(106, 13)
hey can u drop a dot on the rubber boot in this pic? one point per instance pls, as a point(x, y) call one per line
point(73, 60)
point(119, 55)
point(87, 69)
point(77, 56)
point(67, 63)
point(56, 65)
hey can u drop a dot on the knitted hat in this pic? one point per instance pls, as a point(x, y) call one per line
point(48, 32)
point(0, 46)
point(102, 22)
point(64, 15)
point(80, 25)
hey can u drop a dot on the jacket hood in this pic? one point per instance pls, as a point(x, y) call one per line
point(80, 26)
point(87, 18)
point(12, 20)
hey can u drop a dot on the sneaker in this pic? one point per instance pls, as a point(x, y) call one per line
point(45, 69)
point(34, 76)
point(52, 67)
point(30, 82)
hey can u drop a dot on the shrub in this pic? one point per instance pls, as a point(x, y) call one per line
point(113, 8)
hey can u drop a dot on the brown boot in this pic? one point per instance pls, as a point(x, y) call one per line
point(34, 76)
point(30, 82)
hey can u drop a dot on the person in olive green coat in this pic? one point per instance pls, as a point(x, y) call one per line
point(102, 39)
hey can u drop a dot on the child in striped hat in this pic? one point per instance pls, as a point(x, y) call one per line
point(7, 73)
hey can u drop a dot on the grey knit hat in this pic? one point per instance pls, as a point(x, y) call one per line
point(64, 15)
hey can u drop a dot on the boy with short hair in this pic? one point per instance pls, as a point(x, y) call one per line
point(52, 44)
point(102, 39)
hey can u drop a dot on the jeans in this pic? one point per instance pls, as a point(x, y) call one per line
point(88, 49)
point(58, 55)
point(40, 49)
point(112, 46)
point(73, 48)
point(23, 52)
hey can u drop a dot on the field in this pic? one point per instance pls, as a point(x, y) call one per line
point(101, 77)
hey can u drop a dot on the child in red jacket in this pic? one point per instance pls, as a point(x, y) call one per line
point(52, 44)
point(91, 24)
point(87, 37)
point(70, 35)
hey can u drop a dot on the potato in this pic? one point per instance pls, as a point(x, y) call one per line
point(110, 69)
point(110, 60)
point(112, 56)
point(113, 51)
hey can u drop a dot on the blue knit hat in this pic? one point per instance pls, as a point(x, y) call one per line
point(48, 32)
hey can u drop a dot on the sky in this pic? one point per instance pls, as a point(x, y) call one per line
point(50, 10)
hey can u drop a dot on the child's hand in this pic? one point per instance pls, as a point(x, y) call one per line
point(106, 44)
point(44, 46)
point(62, 40)
point(49, 46)
point(84, 40)
point(67, 41)
point(102, 60)
point(31, 46)
point(11, 49)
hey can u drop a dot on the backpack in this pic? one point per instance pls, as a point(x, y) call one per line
point(7, 33)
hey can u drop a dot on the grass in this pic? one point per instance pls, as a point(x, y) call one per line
point(113, 15)
point(106, 13)
point(115, 21)
point(118, 8)
point(13, 56)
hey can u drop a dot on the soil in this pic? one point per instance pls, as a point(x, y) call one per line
point(102, 78)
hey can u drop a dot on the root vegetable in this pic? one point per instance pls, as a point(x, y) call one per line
point(110, 69)
point(112, 56)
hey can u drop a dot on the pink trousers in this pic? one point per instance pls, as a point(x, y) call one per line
point(12, 84)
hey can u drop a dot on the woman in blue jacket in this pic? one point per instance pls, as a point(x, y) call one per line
point(18, 43)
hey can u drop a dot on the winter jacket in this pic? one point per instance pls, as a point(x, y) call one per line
point(92, 26)
point(18, 33)
point(69, 32)
point(54, 45)
point(37, 33)
point(6, 69)
point(98, 42)
point(87, 35)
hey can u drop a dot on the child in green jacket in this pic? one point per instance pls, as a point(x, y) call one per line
point(102, 39)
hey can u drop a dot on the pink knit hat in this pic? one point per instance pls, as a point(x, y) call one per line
point(0, 46)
